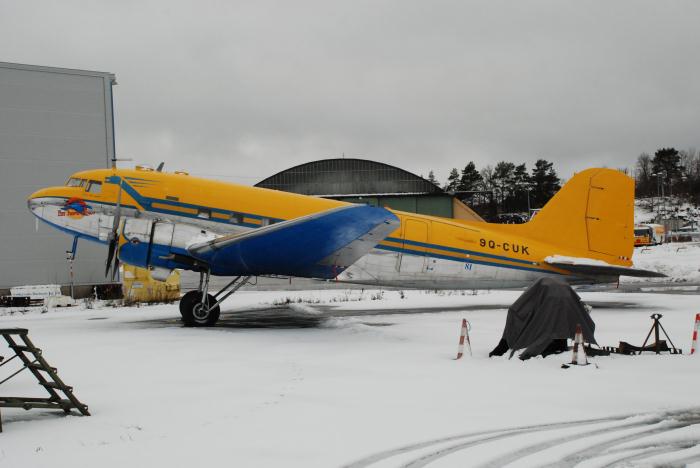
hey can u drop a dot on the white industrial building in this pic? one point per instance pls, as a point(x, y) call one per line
point(53, 122)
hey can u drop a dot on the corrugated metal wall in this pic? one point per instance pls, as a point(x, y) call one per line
point(53, 122)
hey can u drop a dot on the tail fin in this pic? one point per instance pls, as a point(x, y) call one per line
point(591, 216)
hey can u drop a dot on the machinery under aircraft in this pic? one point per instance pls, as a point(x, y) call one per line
point(162, 221)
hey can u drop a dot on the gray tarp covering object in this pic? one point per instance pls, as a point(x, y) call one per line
point(547, 312)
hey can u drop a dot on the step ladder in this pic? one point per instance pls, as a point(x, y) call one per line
point(60, 395)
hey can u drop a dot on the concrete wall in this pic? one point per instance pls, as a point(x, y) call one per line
point(53, 122)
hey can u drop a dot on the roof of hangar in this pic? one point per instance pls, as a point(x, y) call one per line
point(348, 176)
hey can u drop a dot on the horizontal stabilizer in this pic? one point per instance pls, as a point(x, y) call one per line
point(320, 245)
point(591, 267)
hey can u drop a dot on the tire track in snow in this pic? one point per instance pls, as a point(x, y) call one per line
point(542, 446)
point(676, 420)
point(649, 452)
point(501, 433)
point(669, 421)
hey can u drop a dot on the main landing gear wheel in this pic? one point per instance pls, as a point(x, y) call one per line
point(195, 314)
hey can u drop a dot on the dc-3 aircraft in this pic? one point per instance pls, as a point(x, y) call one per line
point(164, 221)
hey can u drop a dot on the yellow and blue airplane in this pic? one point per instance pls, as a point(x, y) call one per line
point(162, 221)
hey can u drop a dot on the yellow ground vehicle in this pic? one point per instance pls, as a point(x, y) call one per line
point(643, 235)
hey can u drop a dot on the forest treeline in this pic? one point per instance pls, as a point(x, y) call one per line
point(512, 187)
point(669, 172)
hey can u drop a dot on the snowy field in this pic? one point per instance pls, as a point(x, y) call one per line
point(352, 378)
point(679, 261)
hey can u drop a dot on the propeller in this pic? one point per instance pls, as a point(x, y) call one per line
point(112, 257)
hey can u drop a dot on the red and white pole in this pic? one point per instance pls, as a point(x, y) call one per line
point(464, 334)
point(696, 328)
point(579, 357)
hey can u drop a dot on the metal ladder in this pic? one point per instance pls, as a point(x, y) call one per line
point(32, 359)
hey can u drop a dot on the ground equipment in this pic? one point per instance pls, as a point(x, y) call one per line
point(30, 357)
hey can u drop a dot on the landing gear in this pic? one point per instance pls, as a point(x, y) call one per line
point(198, 313)
point(200, 309)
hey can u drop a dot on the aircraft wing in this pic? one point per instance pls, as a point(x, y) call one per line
point(591, 267)
point(320, 245)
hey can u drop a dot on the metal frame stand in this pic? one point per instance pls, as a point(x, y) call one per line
point(657, 346)
point(47, 376)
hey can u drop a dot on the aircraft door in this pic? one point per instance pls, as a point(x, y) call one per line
point(414, 258)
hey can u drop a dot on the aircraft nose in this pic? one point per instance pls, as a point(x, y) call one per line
point(37, 200)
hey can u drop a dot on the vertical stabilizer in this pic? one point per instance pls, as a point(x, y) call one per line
point(591, 216)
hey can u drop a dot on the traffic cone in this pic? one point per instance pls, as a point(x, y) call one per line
point(579, 357)
point(696, 328)
point(464, 334)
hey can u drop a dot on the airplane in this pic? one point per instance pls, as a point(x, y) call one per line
point(163, 221)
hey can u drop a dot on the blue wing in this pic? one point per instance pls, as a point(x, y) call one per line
point(320, 245)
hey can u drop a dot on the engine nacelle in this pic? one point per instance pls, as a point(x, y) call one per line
point(158, 245)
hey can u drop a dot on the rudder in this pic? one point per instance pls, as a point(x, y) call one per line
point(591, 216)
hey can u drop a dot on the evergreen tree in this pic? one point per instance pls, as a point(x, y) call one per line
point(545, 182)
point(666, 162)
point(431, 178)
point(521, 179)
point(452, 181)
point(503, 180)
point(470, 179)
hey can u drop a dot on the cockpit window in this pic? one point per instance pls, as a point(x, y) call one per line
point(94, 187)
point(73, 182)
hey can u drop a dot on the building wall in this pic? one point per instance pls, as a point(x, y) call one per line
point(53, 122)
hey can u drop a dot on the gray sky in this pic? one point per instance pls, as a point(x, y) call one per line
point(242, 90)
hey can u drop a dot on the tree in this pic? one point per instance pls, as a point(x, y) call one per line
point(452, 181)
point(470, 179)
point(431, 178)
point(666, 167)
point(503, 180)
point(666, 162)
point(487, 178)
point(521, 179)
point(545, 182)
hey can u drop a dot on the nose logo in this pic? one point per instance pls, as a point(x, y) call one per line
point(75, 208)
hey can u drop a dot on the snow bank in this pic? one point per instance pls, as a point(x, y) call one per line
point(679, 261)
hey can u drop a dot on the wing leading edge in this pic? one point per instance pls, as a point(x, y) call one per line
point(320, 245)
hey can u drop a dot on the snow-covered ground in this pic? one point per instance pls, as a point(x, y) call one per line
point(647, 209)
point(337, 385)
point(680, 262)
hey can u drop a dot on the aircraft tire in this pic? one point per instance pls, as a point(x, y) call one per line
point(189, 309)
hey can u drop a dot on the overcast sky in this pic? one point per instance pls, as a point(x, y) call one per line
point(242, 90)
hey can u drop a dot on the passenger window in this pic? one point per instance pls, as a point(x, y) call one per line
point(205, 214)
point(94, 187)
point(236, 219)
point(73, 182)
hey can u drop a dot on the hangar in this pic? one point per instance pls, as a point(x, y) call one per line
point(53, 122)
point(370, 182)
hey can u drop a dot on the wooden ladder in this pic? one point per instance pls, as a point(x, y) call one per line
point(32, 359)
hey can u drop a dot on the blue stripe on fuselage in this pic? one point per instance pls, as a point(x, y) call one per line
point(457, 250)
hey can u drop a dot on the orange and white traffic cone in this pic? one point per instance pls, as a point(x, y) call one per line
point(696, 328)
point(579, 357)
point(464, 334)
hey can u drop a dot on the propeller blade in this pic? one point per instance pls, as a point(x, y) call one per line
point(115, 270)
point(112, 253)
point(110, 256)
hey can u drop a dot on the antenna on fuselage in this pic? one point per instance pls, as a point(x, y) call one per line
point(160, 167)
point(114, 161)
